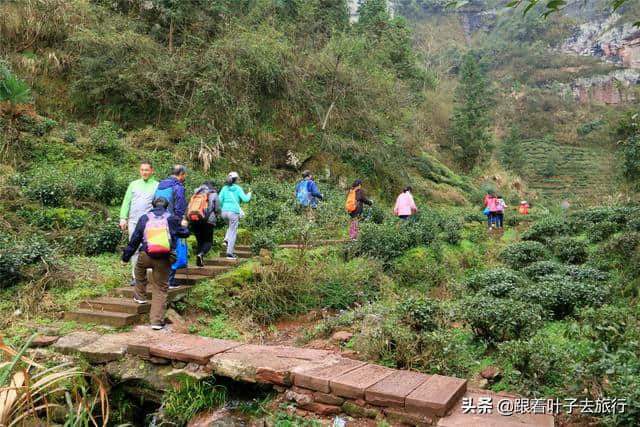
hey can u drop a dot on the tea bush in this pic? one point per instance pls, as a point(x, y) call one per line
point(570, 250)
point(48, 189)
point(539, 269)
point(105, 139)
point(106, 186)
point(55, 218)
point(39, 126)
point(452, 231)
point(498, 320)
point(562, 296)
point(624, 245)
point(586, 274)
point(103, 237)
point(262, 241)
point(600, 231)
point(494, 276)
point(419, 267)
point(386, 241)
point(519, 255)
point(547, 228)
point(421, 314)
point(17, 254)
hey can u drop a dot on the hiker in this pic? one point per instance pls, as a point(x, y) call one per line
point(230, 198)
point(523, 209)
point(172, 189)
point(307, 193)
point(405, 205)
point(204, 207)
point(499, 215)
point(489, 207)
point(353, 205)
point(137, 202)
point(155, 234)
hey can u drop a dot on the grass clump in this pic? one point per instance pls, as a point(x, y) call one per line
point(182, 403)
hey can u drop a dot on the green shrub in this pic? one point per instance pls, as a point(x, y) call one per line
point(385, 241)
point(539, 269)
point(105, 139)
point(546, 228)
point(494, 276)
point(512, 221)
point(561, 296)
point(39, 126)
point(419, 267)
point(624, 245)
point(262, 241)
point(103, 237)
point(419, 313)
point(498, 320)
point(600, 231)
point(519, 255)
point(570, 250)
point(586, 274)
point(452, 231)
point(50, 190)
point(106, 186)
point(474, 217)
point(17, 254)
point(184, 402)
point(341, 285)
point(55, 218)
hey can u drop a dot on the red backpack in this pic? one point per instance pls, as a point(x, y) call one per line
point(197, 207)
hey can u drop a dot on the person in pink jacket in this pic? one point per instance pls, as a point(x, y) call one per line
point(405, 206)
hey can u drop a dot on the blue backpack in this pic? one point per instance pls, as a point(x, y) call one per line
point(302, 193)
point(167, 193)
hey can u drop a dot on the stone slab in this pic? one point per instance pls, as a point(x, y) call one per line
point(189, 348)
point(44, 340)
point(353, 384)
point(267, 364)
point(73, 341)
point(318, 378)
point(392, 390)
point(436, 396)
point(458, 419)
point(107, 348)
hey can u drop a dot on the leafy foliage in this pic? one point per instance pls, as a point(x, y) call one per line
point(16, 255)
point(494, 277)
point(546, 228)
point(12, 89)
point(104, 237)
point(500, 320)
point(183, 403)
point(570, 250)
point(419, 313)
point(519, 255)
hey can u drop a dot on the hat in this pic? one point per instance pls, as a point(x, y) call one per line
point(233, 175)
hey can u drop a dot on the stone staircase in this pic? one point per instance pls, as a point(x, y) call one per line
point(119, 309)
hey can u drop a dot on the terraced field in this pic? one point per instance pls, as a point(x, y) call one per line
point(578, 171)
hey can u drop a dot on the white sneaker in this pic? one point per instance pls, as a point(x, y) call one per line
point(157, 327)
point(140, 301)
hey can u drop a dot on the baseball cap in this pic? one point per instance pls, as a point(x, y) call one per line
point(234, 175)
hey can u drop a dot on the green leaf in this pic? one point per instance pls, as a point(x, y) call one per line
point(514, 3)
point(617, 4)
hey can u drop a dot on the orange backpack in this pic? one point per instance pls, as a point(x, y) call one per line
point(351, 204)
point(197, 207)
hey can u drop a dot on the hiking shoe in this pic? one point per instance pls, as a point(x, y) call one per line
point(225, 243)
point(231, 256)
point(140, 301)
point(200, 260)
point(174, 287)
point(157, 327)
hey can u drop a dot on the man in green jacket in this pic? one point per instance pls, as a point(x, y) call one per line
point(137, 202)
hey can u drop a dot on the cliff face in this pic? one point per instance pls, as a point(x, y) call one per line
point(606, 39)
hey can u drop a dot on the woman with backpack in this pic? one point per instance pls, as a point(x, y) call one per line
point(204, 207)
point(230, 198)
point(355, 201)
point(405, 205)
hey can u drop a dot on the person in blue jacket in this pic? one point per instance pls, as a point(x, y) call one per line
point(307, 193)
point(172, 189)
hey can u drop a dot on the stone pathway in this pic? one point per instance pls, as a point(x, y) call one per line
point(120, 309)
point(319, 381)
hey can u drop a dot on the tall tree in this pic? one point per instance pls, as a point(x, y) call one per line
point(469, 129)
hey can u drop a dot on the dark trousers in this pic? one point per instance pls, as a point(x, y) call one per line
point(159, 284)
point(499, 217)
point(204, 236)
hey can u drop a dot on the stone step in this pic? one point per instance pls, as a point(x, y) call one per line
point(110, 318)
point(239, 253)
point(127, 292)
point(114, 304)
point(209, 271)
point(222, 262)
point(436, 396)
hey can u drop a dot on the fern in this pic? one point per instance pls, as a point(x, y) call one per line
point(12, 89)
